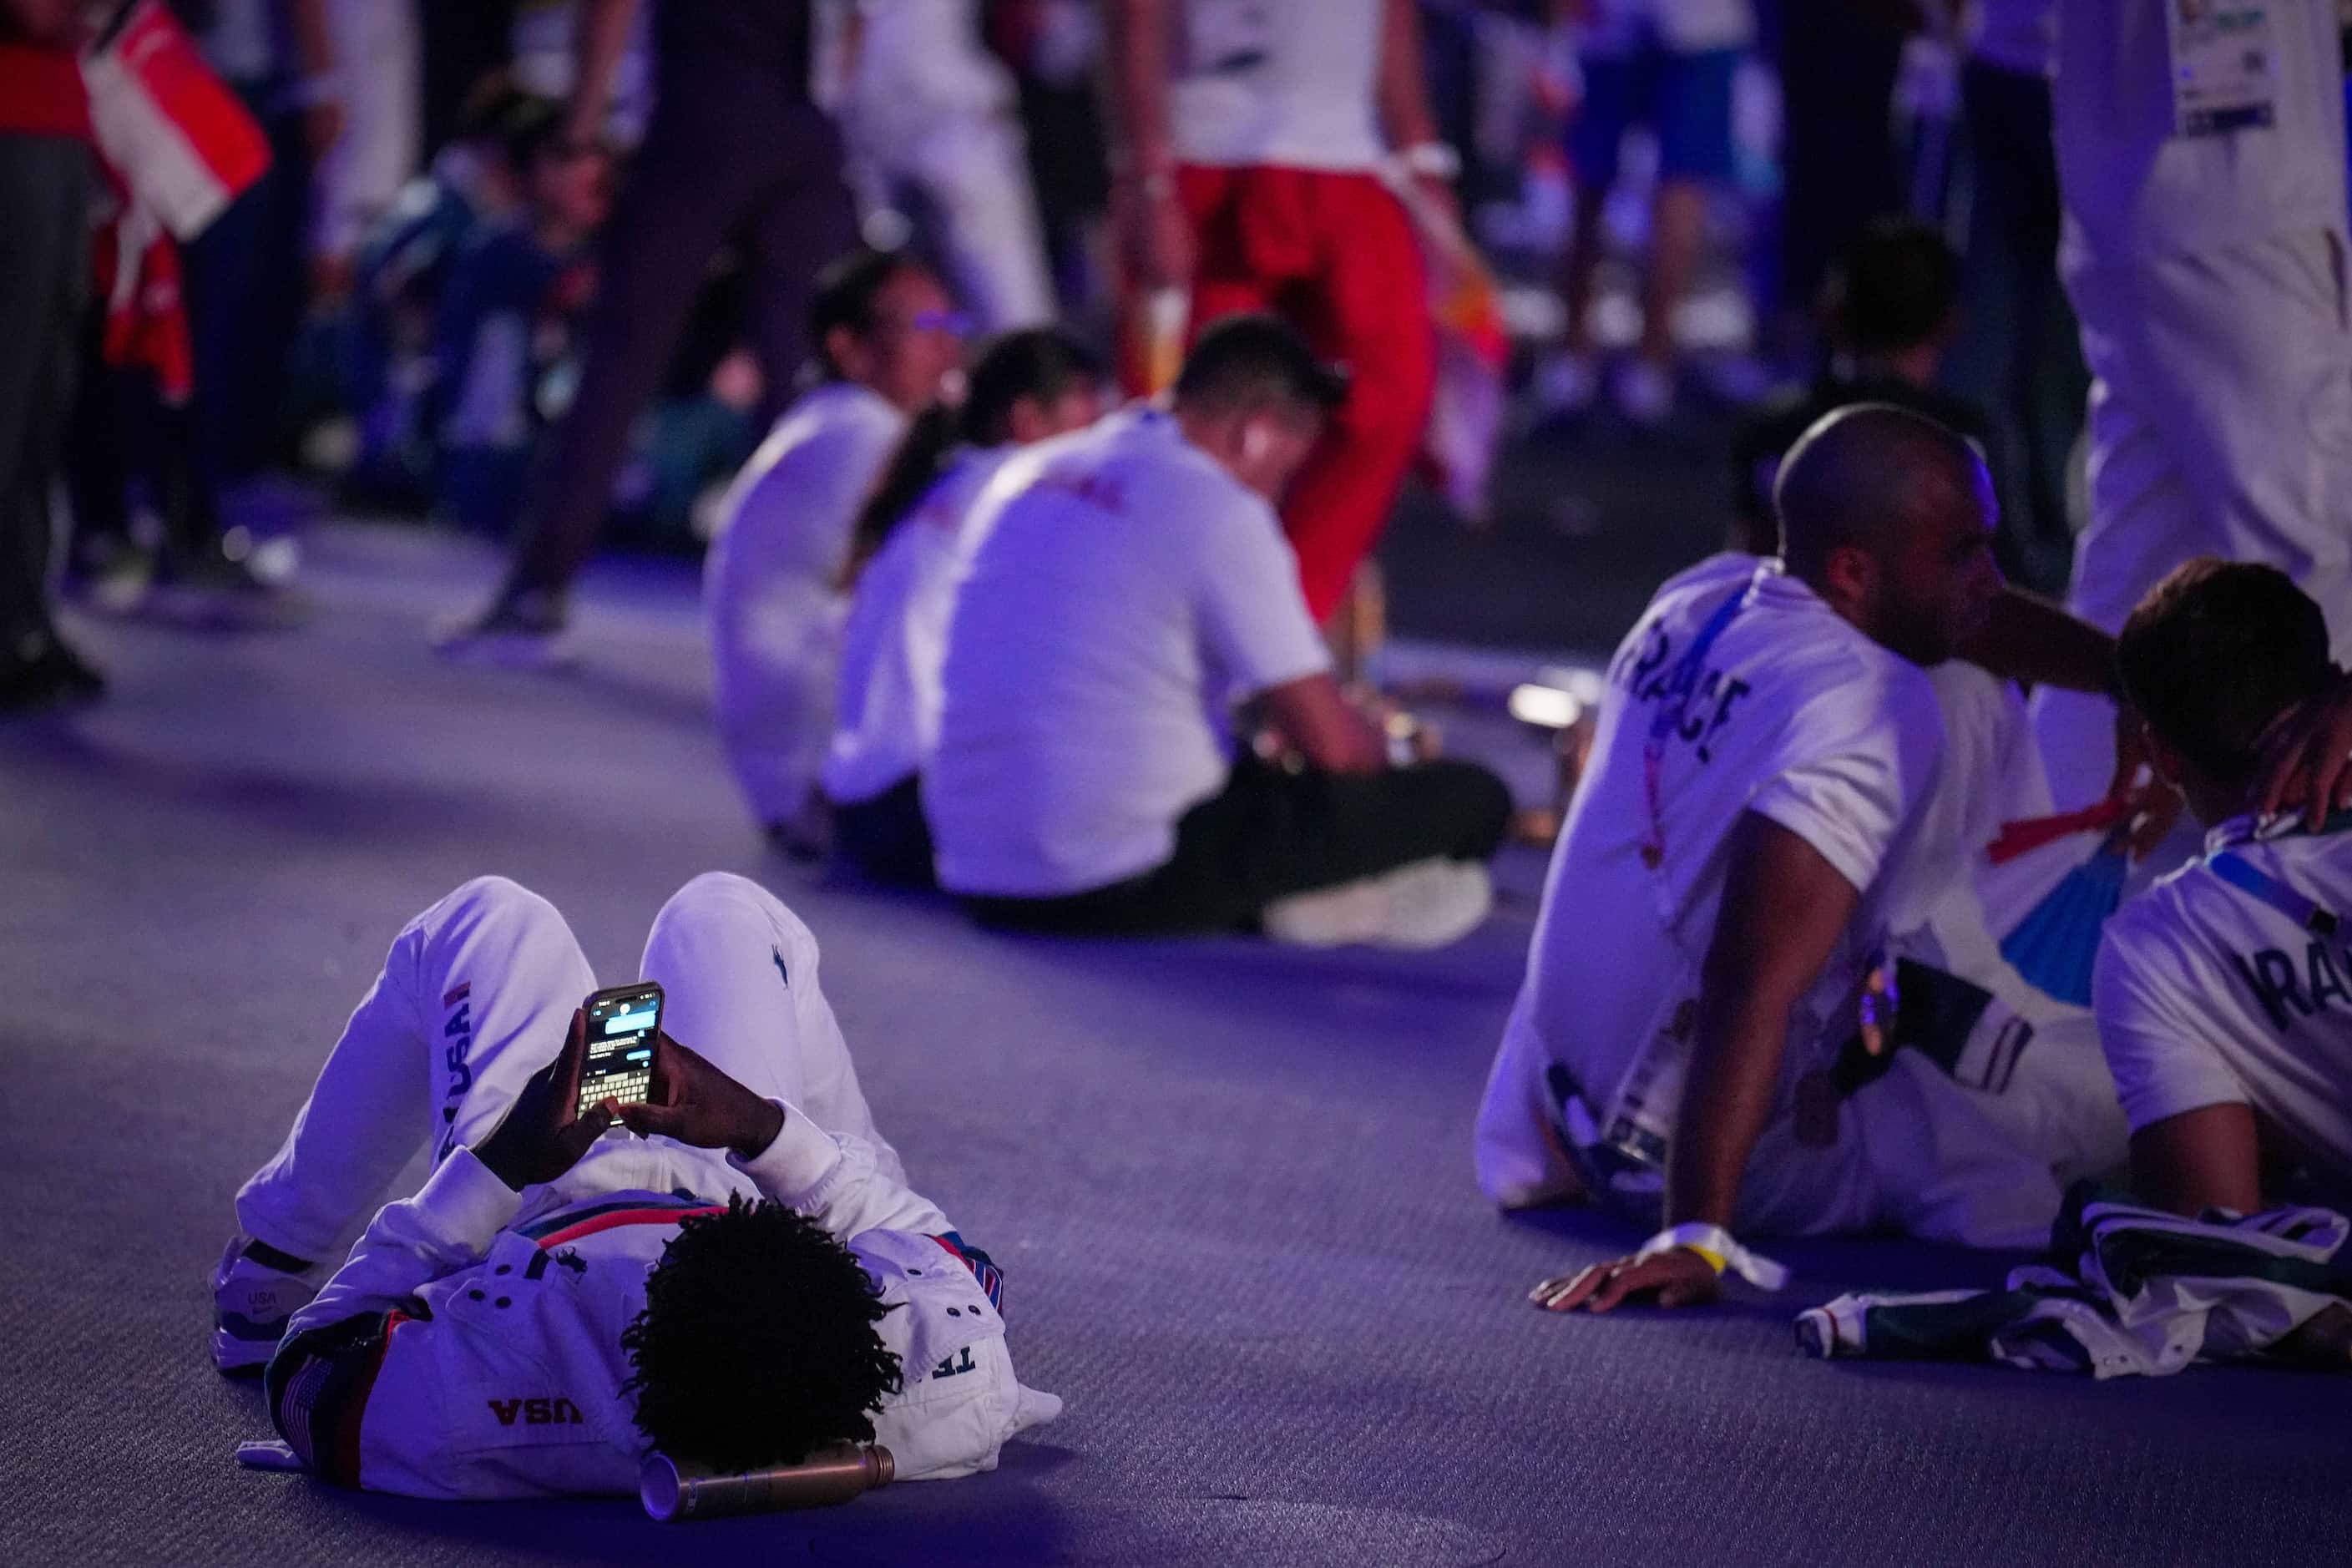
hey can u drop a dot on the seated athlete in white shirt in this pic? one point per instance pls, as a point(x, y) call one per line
point(889, 342)
point(2224, 993)
point(1739, 853)
point(912, 539)
point(748, 1279)
point(1131, 594)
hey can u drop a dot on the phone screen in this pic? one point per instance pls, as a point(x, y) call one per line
point(621, 1029)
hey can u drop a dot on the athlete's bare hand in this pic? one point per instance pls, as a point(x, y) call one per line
point(2306, 763)
point(696, 1103)
point(1674, 1278)
point(541, 1138)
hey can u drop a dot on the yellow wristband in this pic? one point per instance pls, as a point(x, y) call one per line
point(1714, 1258)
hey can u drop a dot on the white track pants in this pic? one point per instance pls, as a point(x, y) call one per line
point(2220, 424)
point(381, 51)
point(973, 171)
point(476, 996)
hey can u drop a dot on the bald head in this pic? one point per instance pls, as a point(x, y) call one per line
point(1866, 476)
point(1888, 516)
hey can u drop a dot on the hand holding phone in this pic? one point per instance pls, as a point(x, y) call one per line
point(695, 1103)
point(544, 1133)
point(623, 1024)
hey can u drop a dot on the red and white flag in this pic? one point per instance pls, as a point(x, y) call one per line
point(178, 135)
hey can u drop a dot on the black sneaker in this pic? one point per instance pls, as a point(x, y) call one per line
point(54, 677)
point(523, 630)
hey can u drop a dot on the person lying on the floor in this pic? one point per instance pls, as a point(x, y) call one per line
point(1744, 844)
point(888, 341)
point(912, 539)
point(2224, 993)
point(747, 1280)
point(1131, 593)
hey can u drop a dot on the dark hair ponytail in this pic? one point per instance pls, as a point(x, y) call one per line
point(1043, 363)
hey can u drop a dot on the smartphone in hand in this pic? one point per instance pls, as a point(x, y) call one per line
point(623, 1024)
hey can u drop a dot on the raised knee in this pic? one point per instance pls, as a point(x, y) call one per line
point(501, 899)
point(720, 916)
point(716, 888)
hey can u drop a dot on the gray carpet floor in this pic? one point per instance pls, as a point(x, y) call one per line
point(1230, 1184)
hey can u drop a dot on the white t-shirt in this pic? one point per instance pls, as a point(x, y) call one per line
point(1127, 591)
point(791, 509)
point(2133, 187)
point(1797, 716)
point(886, 720)
point(1284, 82)
point(768, 586)
point(2209, 996)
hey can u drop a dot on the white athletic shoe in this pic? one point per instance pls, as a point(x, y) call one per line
point(253, 1299)
point(1428, 904)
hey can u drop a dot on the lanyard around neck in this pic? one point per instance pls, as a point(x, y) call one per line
point(2242, 874)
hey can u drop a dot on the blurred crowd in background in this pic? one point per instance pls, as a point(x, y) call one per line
point(388, 316)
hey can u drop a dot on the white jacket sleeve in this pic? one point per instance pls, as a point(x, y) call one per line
point(319, 1381)
point(833, 1178)
point(451, 1221)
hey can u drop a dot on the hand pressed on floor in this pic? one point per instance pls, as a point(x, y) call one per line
point(1676, 1277)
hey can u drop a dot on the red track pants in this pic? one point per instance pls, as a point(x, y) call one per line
point(1335, 254)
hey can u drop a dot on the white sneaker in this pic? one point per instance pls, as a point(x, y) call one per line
point(1566, 384)
point(1428, 904)
point(1644, 392)
point(1436, 903)
point(252, 1300)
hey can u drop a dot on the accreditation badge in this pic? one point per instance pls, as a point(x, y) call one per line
point(2224, 65)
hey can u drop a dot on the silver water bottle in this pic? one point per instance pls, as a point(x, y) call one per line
point(674, 1490)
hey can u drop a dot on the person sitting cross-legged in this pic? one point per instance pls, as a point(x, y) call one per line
point(2224, 993)
point(743, 1281)
point(906, 556)
point(1131, 599)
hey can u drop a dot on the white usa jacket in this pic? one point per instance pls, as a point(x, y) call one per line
point(470, 1346)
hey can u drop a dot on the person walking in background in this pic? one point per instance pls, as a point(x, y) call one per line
point(931, 115)
point(1250, 139)
point(46, 175)
point(736, 149)
point(2020, 359)
point(250, 279)
point(514, 291)
point(1838, 62)
point(382, 140)
point(1668, 65)
point(889, 342)
point(2205, 251)
point(913, 539)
